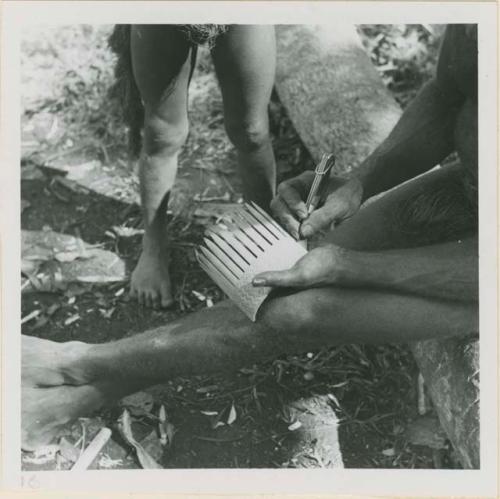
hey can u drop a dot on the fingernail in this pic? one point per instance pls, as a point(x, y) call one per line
point(258, 281)
point(307, 231)
point(295, 234)
point(302, 214)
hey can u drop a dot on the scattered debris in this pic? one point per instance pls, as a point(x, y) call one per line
point(334, 399)
point(389, 452)
point(232, 415)
point(42, 455)
point(165, 427)
point(68, 451)
point(123, 231)
point(68, 256)
point(71, 319)
point(209, 413)
point(145, 460)
point(422, 409)
point(105, 462)
point(90, 453)
point(107, 314)
point(295, 426)
point(30, 316)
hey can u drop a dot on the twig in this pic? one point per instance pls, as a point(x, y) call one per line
point(30, 316)
point(221, 440)
point(91, 452)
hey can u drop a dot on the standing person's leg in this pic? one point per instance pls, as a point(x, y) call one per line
point(245, 60)
point(161, 59)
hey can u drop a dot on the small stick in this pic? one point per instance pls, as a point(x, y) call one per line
point(30, 316)
point(90, 453)
point(422, 409)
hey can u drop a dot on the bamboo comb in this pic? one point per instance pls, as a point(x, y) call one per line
point(248, 243)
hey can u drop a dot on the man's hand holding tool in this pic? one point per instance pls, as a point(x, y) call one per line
point(314, 201)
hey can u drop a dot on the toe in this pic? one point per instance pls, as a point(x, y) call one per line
point(148, 301)
point(155, 300)
point(166, 297)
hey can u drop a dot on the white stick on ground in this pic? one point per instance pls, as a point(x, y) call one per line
point(93, 449)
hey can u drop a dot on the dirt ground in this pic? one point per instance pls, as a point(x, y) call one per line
point(76, 180)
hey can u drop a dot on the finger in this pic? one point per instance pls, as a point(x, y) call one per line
point(318, 220)
point(166, 297)
point(283, 278)
point(155, 300)
point(291, 198)
point(289, 222)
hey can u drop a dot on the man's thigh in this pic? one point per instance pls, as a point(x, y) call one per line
point(429, 209)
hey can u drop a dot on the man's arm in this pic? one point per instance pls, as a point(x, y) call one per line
point(420, 140)
point(424, 134)
point(447, 271)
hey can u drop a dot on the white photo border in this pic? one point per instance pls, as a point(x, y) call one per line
point(474, 483)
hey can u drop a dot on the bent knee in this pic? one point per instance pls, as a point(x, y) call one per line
point(163, 137)
point(248, 136)
point(296, 316)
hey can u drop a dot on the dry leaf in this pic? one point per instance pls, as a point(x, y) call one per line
point(70, 256)
point(199, 295)
point(333, 398)
point(145, 460)
point(209, 413)
point(166, 429)
point(68, 451)
point(232, 415)
point(122, 231)
point(152, 446)
point(105, 462)
point(295, 426)
point(389, 452)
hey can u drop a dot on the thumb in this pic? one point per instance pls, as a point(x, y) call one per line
point(281, 278)
point(317, 220)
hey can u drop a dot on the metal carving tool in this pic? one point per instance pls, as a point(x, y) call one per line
point(321, 176)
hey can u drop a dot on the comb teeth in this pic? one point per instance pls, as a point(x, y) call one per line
point(249, 243)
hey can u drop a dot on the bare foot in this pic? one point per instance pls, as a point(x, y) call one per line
point(49, 363)
point(150, 282)
point(46, 411)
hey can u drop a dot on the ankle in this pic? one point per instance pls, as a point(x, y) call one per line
point(75, 363)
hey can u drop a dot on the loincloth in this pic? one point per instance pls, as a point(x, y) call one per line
point(201, 34)
point(443, 211)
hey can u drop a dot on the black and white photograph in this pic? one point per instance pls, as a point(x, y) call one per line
point(252, 245)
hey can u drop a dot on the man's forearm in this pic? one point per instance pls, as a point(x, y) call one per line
point(421, 139)
point(448, 271)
